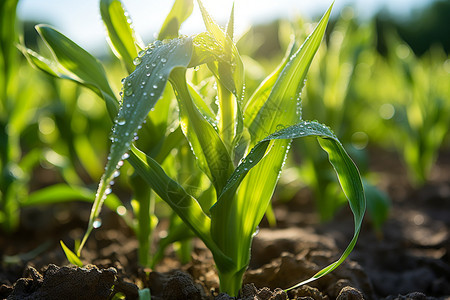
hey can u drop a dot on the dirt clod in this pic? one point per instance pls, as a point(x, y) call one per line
point(181, 286)
point(307, 292)
point(69, 283)
point(350, 293)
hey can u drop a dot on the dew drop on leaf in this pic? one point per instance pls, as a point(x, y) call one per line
point(97, 223)
point(137, 61)
point(121, 121)
point(128, 91)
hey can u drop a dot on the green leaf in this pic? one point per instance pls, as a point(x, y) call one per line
point(71, 257)
point(211, 154)
point(180, 11)
point(186, 206)
point(229, 72)
point(62, 193)
point(346, 171)
point(72, 62)
point(229, 69)
point(121, 36)
point(141, 91)
point(280, 109)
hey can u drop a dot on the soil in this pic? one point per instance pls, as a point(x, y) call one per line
point(408, 259)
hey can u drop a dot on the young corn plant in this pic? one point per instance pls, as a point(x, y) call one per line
point(69, 61)
point(225, 217)
point(422, 110)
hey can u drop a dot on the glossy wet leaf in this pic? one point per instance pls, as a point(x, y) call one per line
point(344, 167)
point(141, 91)
point(280, 109)
point(121, 35)
point(211, 154)
point(180, 11)
point(186, 206)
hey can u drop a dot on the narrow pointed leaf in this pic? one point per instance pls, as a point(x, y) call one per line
point(346, 171)
point(180, 11)
point(233, 76)
point(74, 58)
point(71, 257)
point(121, 35)
point(186, 206)
point(284, 100)
point(230, 24)
point(72, 62)
point(279, 110)
point(141, 90)
point(212, 156)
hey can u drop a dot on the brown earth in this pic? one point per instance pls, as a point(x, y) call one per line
point(410, 259)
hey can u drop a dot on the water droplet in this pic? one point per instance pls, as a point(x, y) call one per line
point(116, 173)
point(155, 86)
point(108, 191)
point(97, 223)
point(128, 92)
point(279, 127)
point(121, 210)
point(137, 61)
point(125, 156)
point(141, 53)
point(163, 60)
point(121, 121)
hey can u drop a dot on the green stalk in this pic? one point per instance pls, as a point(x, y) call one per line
point(146, 199)
point(227, 116)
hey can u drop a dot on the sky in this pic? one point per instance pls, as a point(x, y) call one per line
point(80, 20)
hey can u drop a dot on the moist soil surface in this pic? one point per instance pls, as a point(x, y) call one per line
point(409, 258)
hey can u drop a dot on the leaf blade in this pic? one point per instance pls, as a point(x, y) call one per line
point(141, 91)
point(122, 38)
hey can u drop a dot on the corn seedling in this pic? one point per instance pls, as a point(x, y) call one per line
point(266, 123)
point(239, 143)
